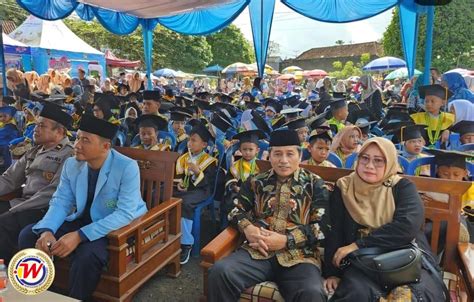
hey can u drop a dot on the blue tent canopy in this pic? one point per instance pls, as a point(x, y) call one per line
point(213, 68)
point(211, 16)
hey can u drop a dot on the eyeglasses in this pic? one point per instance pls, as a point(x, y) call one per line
point(378, 162)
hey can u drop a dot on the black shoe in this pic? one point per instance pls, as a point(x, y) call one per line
point(185, 253)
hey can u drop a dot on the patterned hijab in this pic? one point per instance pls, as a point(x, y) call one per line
point(372, 205)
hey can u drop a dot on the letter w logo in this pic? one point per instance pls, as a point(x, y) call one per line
point(31, 269)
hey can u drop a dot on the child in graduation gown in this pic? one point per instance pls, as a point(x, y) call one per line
point(340, 112)
point(299, 125)
point(149, 126)
point(412, 138)
point(8, 129)
point(437, 122)
point(178, 119)
point(465, 130)
point(320, 141)
point(243, 168)
point(195, 177)
point(21, 145)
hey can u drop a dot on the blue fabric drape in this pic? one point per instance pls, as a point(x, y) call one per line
point(261, 17)
point(206, 21)
point(428, 44)
point(85, 12)
point(409, 35)
point(339, 11)
point(49, 9)
point(148, 25)
point(115, 22)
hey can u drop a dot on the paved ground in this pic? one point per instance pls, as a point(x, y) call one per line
point(187, 287)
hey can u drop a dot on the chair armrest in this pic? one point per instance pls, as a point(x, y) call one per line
point(224, 244)
point(466, 255)
point(11, 195)
point(120, 236)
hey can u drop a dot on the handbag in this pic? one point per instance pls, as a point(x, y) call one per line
point(389, 268)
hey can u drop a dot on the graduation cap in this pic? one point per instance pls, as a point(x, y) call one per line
point(54, 112)
point(273, 105)
point(259, 122)
point(120, 86)
point(322, 132)
point(436, 90)
point(252, 104)
point(183, 101)
point(463, 127)
point(220, 122)
point(340, 95)
point(337, 103)
point(229, 109)
point(201, 130)
point(395, 115)
point(284, 137)
point(193, 122)
point(291, 112)
point(202, 94)
point(406, 133)
point(364, 125)
point(38, 96)
point(359, 114)
point(204, 105)
point(57, 99)
point(9, 100)
point(10, 110)
point(249, 95)
point(165, 107)
point(296, 124)
point(317, 121)
point(100, 127)
point(108, 100)
point(250, 136)
point(292, 100)
point(153, 95)
point(225, 98)
point(394, 125)
point(152, 121)
point(138, 96)
point(450, 158)
point(180, 114)
point(279, 123)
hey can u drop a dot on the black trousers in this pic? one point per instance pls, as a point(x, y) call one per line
point(10, 226)
point(238, 271)
point(87, 261)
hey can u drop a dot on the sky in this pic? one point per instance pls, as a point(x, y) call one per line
point(296, 33)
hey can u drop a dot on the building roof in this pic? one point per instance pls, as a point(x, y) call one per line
point(339, 51)
point(8, 26)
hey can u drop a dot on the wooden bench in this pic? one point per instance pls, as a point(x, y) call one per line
point(149, 243)
point(229, 239)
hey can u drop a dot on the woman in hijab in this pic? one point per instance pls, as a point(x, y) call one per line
point(32, 78)
point(374, 207)
point(107, 86)
point(17, 84)
point(136, 83)
point(340, 87)
point(346, 142)
point(44, 84)
point(455, 83)
point(462, 109)
point(371, 96)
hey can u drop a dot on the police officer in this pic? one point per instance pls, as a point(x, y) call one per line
point(39, 170)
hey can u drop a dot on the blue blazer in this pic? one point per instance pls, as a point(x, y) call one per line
point(117, 200)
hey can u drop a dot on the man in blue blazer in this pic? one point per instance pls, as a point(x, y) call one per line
point(99, 192)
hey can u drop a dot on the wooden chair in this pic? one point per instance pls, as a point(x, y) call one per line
point(229, 239)
point(149, 243)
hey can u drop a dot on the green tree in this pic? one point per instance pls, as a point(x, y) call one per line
point(364, 59)
point(229, 46)
point(345, 71)
point(340, 42)
point(452, 36)
point(11, 11)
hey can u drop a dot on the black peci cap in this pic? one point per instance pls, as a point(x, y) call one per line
point(153, 95)
point(450, 158)
point(463, 127)
point(54, 112)
point(100, 127)
point(152, 121)
point(284, 137)
point(251, 136)
point(436, 90)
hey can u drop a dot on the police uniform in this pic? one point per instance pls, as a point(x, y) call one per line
point(294, 208)
point(39, 171)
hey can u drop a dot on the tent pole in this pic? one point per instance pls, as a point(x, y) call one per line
point(148, 48)
point(2, 61)
point(429, 44)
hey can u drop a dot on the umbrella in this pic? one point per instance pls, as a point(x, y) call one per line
point(385, 63)
point(315, 73)
point(401, 73)
point(180, 74)
point(286, 77)
point(237, 67)
point(291, 69)
point(213, 68)
point(165, 72)
point(461, 71)
point(268, 68)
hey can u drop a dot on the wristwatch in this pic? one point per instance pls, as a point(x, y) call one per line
point(290, 241)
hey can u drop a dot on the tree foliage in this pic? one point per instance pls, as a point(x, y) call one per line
point(344, 71)
point(229, 46)
point(11, 11)
point(452, 36)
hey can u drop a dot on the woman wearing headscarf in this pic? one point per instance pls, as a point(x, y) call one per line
point(463, 110)
point(374, 207)
point(346, 142)
point(17, 84)
point(246, 85)
point(413, 100)
point(107, 86)
point(371, 96)
point(32, 78)
point(44, 84)
point(136, 83)
point(455, 83)
point(340, 87)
